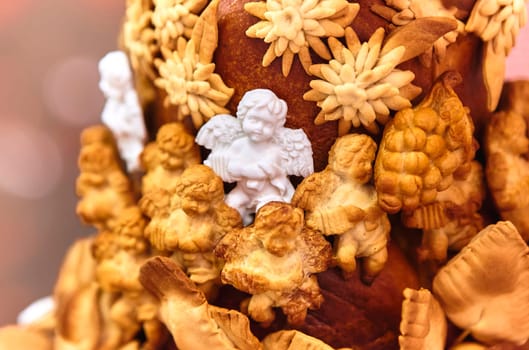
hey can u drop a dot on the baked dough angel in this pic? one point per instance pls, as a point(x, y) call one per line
point(104, 190)
point(188, 221)
point(275, 259)
point(119, 253)
point(256, 151)
point(165, 159)
point(340, 201)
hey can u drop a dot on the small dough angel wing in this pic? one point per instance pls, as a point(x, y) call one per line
point(219, 132)
point(296, 151)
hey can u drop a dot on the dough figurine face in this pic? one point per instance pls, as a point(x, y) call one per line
point(96, 158)
point(171, 160)
point(355, 166)
point(200, 190)
point(195, 206)
point(352, 158)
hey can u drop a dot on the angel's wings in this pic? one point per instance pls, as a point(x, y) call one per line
point(296, 151)
point(217, 135)
point(219, 132)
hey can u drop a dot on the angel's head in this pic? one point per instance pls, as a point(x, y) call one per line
point(200, 189)
point(174, 145)
point(97, 134)
point(352, 156)
point(131, 223)
point(97, 158)
point(261, 113)
point(115, 73)
point(277, 225)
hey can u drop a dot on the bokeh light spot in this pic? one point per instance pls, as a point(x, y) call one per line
point(71, 91)
point(11, 11)
point(31, 160)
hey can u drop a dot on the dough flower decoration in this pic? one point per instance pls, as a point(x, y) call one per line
point(403, 12)
point(292, 26)
point(175, 18)
point(138, 36)
point(361, 85)
point(187, 74)
point(497, 23)
point(484, 290)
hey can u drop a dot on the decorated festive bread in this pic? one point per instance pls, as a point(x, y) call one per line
point(301, 174)
point(194, 59)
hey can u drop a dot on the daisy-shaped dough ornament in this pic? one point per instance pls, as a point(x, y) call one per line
point(175, 18)
point(292, 26)
point(187, 74)
point(498, 22)
point(138, 36)
point(361, 85)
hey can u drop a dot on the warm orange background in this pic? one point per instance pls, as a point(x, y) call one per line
point(48, 93)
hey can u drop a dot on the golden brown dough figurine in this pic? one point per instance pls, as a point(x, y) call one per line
point(167, 157)
point(189, 221)
point(453, 219)
point(102, 185)
point(276, 260)
point(100, 302)
point(507, 168)
point(423, 148)
point(119, 253)
point(340, 201)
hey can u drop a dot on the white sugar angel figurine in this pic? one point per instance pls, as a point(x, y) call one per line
point(256, 151)
point(122, 112)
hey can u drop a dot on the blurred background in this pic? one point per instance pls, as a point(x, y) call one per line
point(49, 52)
point(48, 93)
